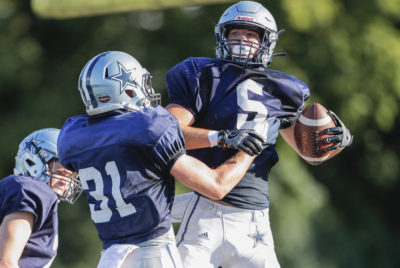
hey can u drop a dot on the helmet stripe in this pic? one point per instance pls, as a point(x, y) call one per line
point(88, 86)
point(82, 85)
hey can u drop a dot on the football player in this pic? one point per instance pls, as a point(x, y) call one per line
point(29, 202)
point(235, 91)
point(127, 152)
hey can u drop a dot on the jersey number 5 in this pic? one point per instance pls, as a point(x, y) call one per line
point(251, 106)
point(104, 213)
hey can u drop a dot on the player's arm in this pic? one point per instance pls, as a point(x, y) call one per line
point(195, 137)
point(212, 183)
point(15, 231)
point(288, 135)
point(248, 141)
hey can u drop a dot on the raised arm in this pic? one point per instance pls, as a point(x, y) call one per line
point(15, 231)
point(212, 183)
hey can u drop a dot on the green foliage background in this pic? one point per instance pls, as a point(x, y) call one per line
point(343, 213)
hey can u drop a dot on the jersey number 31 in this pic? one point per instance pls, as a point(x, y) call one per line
point(104, 213)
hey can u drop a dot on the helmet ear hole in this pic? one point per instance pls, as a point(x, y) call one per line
point(130, 93)
point(30, 162)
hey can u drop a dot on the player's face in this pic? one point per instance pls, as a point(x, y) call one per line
point(60, 177)
point(249, 38)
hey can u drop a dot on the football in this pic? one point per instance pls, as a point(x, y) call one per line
point(312, 120)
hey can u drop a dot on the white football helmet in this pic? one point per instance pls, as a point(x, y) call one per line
point(34, 152)
point(115, 80)
point(252, 16)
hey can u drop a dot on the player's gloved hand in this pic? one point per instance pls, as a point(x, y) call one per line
point(341, 136)
point(246, 140)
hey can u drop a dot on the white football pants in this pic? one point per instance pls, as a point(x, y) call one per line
point(160, 252)
point(213, 235)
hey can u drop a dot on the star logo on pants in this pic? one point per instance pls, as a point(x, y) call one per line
point(258, 237)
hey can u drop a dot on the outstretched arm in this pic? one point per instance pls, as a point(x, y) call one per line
point(212, 183)
point(15, 231)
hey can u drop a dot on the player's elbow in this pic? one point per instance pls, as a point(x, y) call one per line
point(218, 193)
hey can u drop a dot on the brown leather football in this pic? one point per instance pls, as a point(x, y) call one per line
point(311, 122)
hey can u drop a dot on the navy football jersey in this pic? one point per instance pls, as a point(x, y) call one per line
point(21, 193)
point(124, 161)
point(223, 95)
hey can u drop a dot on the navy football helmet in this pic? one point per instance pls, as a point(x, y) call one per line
point(33, 156)
point(115, 80)
point(252, 16)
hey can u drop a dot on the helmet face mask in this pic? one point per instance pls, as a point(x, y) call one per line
point(34, 157)
point(252, 16)
point(152, 98)
point(115, 80)
point(64, 182)
point(242, 51)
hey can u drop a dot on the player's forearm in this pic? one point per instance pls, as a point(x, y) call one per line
point(198, 176)
point(212, 183)
point(15, 231)
point(8, 258)
point(7, 264)
point(232, 171)
point(288, 136)
point(195, 137)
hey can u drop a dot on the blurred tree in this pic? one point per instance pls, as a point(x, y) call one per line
point(342, 213)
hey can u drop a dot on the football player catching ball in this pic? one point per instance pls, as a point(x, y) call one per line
point(236, 91)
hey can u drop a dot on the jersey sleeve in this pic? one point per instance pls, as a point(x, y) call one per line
point(66, 143)
point(183, 85)
point(298, 101)
point(170, 146)
point(292, 94)
point(27, 195)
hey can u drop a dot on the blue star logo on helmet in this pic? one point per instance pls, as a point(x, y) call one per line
point(31, 145)
point(124, 77)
